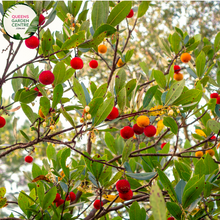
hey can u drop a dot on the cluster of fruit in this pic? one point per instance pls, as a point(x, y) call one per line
point(70, 197)
point(124, 189)
point(185, 58)
point(142, 126)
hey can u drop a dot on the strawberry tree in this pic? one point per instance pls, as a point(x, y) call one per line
point(152, 136)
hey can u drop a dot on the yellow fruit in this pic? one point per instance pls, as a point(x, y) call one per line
point(112, 197)
point(211, 152)
point(143, 121)
point(86, 109)
point(199, 154)
point(41, 114)
point(102, 48)
point(178, 76)
point(88, 116)
point(185, 57)
point(120, 63)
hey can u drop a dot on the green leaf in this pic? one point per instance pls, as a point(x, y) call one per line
point(110, 142)
point(94, 105)
point(74, 41)
point(116, 177)
point(192, 192)
point(78, 89)
point(75, 7)
point(59, 72)
point(16, 83)
point(26, 96)
point(64, 155)
point(174, 92)
point(176, 42)
point(57, 95)
point(100, 92)
point(179, 190)
point(121, 98)
point(211, 166)
point(62, 56)
point(143, 7)
point(119, 13)
point(217, 42)
point(200, 168)
point(149, 95)
point(2, 191)
point(98, 14)
point(189, 96)
point(36, 170)
point(40, 192)
point(23, 202)
point(104, 28)
point(174, 210)
point(120, 79)
point(104, 110)
point(49, 197)
point(213, 125)
point(93, 43)
point(45, 105)
point(130, 86)
point(97, 168)
point(67, 116)
point(2, 202)
point(51, 152)
point(160, 78)
point(46, 42)
point(170, 122)
point(200, 64)
point(128, 55)
point(62, 10)
point(164, 46)
point(142, 176)
point(167, 185)
point(29, 113)
point(217, 108)
point(93, 87)
point(127, 150)
point(135, 212)
point(183, 170)
point(158, 206)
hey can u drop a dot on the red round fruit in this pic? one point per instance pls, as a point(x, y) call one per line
point(32, 42)
point(214, 95)
point(72, 196)
point(41, 19)
point(150, 131)
point(60, 202)
point(127, 132)
point(46, 77)
point(113, 114)
point(123, 186)
point(176, 69)
point(163, 144)
point(126, 196)
point(218, 100)
point(213, 137)
point(130, 15)
point(68, 198)
point(96, 204)
point(28, 159)
point(171, 218)
point(39, 93)
point(93, 64)
point(57, 198)
point(76, 63)
point(137, 130)
point(2, 122)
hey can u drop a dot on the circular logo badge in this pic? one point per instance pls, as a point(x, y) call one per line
point(17, 20)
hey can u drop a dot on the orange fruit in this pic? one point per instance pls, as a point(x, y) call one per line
point(102, 48)
point(41, 114)
point(199, 154)
point(120, 63)
point(178, 76)
point(143, 121)
point(185, 57)
point(211, 152)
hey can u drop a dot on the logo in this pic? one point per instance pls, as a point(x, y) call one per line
point(17, 21)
